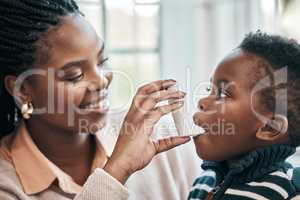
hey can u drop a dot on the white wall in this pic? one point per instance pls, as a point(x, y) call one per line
point(197, 34)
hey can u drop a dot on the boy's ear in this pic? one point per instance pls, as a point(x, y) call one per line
point(21, 95)
point(275, 128)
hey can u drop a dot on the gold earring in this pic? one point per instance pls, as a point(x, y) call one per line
point(27, 110)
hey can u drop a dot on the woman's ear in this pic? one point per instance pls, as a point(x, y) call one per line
point(20, 91)
point(274, 129)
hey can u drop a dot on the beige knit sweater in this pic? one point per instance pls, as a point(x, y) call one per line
point(168, 177)
point(99, 186)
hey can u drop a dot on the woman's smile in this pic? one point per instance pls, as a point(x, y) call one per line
point(99, 103)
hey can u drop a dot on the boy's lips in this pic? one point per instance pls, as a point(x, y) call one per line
point(205, 131)
point(196, 137)
point(196, 119)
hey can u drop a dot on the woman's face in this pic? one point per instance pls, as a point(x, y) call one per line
point(74, 82)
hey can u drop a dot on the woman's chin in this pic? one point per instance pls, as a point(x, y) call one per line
point(92, 126)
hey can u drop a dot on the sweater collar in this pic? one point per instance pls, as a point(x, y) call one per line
point(253, 165)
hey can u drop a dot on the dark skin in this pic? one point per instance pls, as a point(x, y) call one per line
point(75, 41)
point(230, 102)
point(75, 49)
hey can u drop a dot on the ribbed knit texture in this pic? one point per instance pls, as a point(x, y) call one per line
point(262, 174)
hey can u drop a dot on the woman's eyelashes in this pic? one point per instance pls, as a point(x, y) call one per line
point(103, 61)
point(80, 76)
point(76, 78)
point(74, 75)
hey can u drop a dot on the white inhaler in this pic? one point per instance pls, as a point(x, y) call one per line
point(183, 121)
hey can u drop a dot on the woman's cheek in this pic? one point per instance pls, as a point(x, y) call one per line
point(73, 96)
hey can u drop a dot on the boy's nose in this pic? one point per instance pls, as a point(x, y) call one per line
point(203, 104)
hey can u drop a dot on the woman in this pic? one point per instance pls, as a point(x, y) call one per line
point(54, 98)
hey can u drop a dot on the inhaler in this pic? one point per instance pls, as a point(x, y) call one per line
point(183, 121)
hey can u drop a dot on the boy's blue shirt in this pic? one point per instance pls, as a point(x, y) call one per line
point(260, 174)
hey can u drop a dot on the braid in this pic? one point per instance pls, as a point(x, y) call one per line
point(23, 24)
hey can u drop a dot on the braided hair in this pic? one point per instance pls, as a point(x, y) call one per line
point(24, 24)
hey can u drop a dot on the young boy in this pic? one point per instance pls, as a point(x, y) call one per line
point(256, 97)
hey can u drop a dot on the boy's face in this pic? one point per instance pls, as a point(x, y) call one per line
point(226, 114)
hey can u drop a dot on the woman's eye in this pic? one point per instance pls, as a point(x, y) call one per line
point(103, 61)
point(75, 78)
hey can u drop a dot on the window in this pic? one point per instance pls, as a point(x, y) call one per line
point(131, 31)
point(194, 37)
point(289, 17)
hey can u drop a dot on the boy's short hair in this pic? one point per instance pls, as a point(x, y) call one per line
point(279, 52)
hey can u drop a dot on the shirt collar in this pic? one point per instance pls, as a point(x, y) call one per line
point(36, 172)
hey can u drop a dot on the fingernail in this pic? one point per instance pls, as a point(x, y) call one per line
point(182, 93)
point(180, 104)
point(172, 101)
point(169, 83)
point(187, 138)
point(172, 80)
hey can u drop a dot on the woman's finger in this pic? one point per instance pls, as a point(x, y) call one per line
point(154, 116)
point(160, 111)
point(169, 143)
point(155, 86)
point(152, 100)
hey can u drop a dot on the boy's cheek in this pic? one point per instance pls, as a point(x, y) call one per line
point(215, 124)
point(227, 134)
point(218, 148)
point(202, 147)
point(209, 148)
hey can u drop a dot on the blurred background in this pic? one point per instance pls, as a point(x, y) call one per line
point(148, 40)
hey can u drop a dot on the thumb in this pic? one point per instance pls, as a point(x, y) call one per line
point(169, 143)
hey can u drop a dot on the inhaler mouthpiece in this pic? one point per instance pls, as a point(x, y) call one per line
point(183, 121)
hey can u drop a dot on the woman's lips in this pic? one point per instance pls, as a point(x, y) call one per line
point(101, 106)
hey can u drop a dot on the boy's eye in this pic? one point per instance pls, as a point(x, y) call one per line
point(222, 93)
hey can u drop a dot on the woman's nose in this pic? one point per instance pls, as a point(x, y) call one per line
point(100, 80)
point(109, 76)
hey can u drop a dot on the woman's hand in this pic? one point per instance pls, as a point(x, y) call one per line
point(134, 149)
